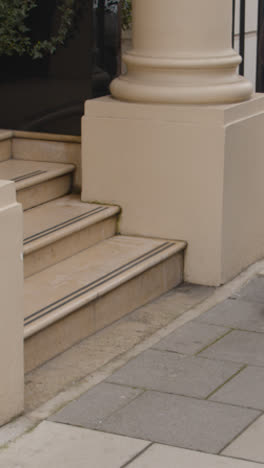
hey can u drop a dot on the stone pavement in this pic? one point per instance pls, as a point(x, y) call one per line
point(193, 399)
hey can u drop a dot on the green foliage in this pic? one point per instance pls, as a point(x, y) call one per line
point(15, 34)
point(126, 14)
point(66, 9)
point(13, 31)
point(126, 11)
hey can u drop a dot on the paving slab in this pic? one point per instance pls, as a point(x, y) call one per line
point(59, 446)
point(86, 357)
point(174, 302)
point(95, 405)
point(253, 291)
point(171, 373)
point(237, 313)
point(238, 346)
point(185, 294)
point(15, 428)
point(183, 422)
point(250, 444)
point(245, 389)
point(191, 338)
point(158, 456)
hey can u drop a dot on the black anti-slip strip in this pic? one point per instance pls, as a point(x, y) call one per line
point(27, 176)
point(66, 223)
point(104, 277)
point(75, 294)
point(90, 286)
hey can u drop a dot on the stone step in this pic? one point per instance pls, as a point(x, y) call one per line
point(37, 182)
point(82, 294)
point(63, 227)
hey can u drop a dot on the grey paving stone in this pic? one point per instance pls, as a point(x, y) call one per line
point(238, 346)
point(159, 456)
point(249, 444)
point(52, 445)
point(236, 314)
point(253, 291)
point(186, 293)
point(184, 422)
point(167, 372)
point(191, 338)
point(167, 307)
point(95, 405)
point(245, 389)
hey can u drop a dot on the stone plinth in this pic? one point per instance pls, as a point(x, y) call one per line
point(193, 173)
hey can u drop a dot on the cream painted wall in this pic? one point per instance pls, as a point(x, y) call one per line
point(251, 37)
point(11, 304)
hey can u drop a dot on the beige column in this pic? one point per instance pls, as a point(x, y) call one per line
point(182, 54)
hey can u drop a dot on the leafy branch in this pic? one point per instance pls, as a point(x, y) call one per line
point(41, 48)
point(126, 14)
point(15, 34)
point(13, 30)
point(126, 11)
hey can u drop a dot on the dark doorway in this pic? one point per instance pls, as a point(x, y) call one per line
point(48, 94)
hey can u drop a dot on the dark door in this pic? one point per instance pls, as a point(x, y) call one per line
point(48, 94)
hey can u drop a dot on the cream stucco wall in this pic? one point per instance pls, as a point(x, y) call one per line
point(250, 39)
point(11, 304)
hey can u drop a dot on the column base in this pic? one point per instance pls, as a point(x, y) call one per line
point(200, 80)
point(133, 91)
point(191, 173)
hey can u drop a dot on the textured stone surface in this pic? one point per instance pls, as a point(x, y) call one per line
point(180, 421)
point(95, 351)
point(250, 444)
point(236, 314)
point(253, 291)
point(158, 456)
point(59, 446)
point(15, 429)
point(245, 389)
point(238, 346)
point(191, 338)
point(95, 405)
point(171, 373)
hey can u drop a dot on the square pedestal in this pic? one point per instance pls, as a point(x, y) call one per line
point(192, 173)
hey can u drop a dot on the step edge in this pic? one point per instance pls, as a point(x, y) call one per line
point(175, 248)
point(27, 135)
point(5, 134)
point(44, 177)
point(66, 231)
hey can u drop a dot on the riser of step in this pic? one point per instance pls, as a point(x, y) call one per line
point(65, 247)
point(103, 311)
point(5, 144)
point(37, 182)
point(62, 228)
point(49, 147)
point(44, 192)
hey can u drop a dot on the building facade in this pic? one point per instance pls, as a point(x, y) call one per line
point(177, 146)
point(251, 36)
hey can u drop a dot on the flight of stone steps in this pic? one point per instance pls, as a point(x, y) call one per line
point(80, 276)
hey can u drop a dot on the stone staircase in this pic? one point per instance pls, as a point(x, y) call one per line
point(80, 275)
